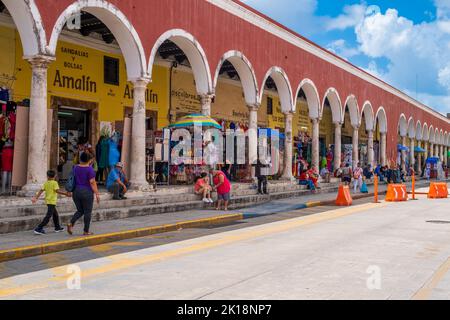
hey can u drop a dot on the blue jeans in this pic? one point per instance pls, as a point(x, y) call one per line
point(308, 183)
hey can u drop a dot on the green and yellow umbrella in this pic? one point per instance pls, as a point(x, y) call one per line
point(196, 119)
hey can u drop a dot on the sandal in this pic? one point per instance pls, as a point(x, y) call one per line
point(69, 229)
point(88, 234)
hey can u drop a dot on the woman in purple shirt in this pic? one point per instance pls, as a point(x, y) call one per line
point(83, 196)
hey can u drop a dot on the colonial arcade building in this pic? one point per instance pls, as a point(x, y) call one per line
point(76, 68)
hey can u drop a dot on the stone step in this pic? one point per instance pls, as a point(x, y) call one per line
point(66, 205)
point(24, 223)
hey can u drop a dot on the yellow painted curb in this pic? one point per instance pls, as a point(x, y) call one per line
point(31, 251)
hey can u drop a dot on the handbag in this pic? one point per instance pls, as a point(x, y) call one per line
point(70, 184)
point(364, 188)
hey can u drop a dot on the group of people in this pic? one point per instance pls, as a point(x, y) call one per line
point(220, 184)
point(358, 175)
point(85, 191)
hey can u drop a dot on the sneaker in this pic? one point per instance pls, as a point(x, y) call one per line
point(206, 200)
point(39, 232)
point(61, 229)
point(211, 200)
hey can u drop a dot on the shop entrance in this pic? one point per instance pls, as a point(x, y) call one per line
point(72, 120)
point(73, 125)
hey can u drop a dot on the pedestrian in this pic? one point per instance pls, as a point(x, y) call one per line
point(306, 181)
point(83, 196)
point(346, 176)
point(223, 187)
point(357, 177)
point(261, 176)
point(51, 190)
point(203, 188)
point(117, 182)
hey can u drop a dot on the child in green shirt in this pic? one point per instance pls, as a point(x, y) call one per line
point(51, 189)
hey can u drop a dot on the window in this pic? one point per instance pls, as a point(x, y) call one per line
point(111, 70)
point(269, 105)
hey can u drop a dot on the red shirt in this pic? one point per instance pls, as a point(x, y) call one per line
point(225, 187)
point(7, 159)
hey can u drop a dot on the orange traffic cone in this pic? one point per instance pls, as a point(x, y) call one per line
point(344, 199)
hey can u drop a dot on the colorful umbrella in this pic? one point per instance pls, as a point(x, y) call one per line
point(196, 119)
point(419, 150)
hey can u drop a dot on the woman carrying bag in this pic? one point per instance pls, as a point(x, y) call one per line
point(85, 188)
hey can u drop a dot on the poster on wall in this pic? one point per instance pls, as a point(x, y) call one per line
point(348, 153)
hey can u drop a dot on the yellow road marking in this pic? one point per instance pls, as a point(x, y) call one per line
point(425, 292)
point(110, 246)
point(124, 261)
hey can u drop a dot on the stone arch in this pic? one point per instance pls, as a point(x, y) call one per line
point(194, 53)
point(335, 103)
point(436, 136)
point(246, 73)
point(432, 134)
point(411, 128)
point(445, 142)
point(403, 125)
point(381, 119)
point(312, 98)
point(352, 104)
point(367, 113)
point(419, 131)
point(283, 87)
point(425, 132)
point(29, 23)
point(441, 137)
point(120, 26)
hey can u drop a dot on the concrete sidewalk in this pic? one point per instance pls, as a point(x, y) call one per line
point(24, 244)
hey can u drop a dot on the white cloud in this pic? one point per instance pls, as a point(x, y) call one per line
point(351, 17)
point(340, 48)
point(417, 54)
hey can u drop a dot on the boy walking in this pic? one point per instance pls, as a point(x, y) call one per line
point(51, 189)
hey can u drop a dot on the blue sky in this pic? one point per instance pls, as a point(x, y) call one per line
point(405, 43)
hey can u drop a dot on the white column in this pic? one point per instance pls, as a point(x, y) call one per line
point(404, 154)
point(383, 148)
point(441, 153)
point(431, 150)
point(425, 155)
point(355, 146)
point(446, 155)
point(138, 137)
point(37, 135)
point(337, 145)
point(419, 159)
point(206, 100)
point(253, 135)
point(287, 173)
point(436, 152)
point(370, 150)
point(315, 143)
point(412, 159)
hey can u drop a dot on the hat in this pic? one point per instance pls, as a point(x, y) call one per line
point(119, 164)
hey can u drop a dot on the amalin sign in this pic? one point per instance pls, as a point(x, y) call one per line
point(82, 84)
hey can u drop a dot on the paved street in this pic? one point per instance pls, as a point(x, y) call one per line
point(368, 251)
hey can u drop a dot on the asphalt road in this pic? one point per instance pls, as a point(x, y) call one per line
point(367, 251)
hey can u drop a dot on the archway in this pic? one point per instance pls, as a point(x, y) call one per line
point(350, 131)
point(119, 27)
point(380, 134)
point(236, 107)
point(310, 141)
point(29, 24)
point(82, 74)
point(331, 128)
point(276, 97)
point(180, 40)
point(366, 135)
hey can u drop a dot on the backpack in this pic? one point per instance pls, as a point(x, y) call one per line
point(70, 184)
